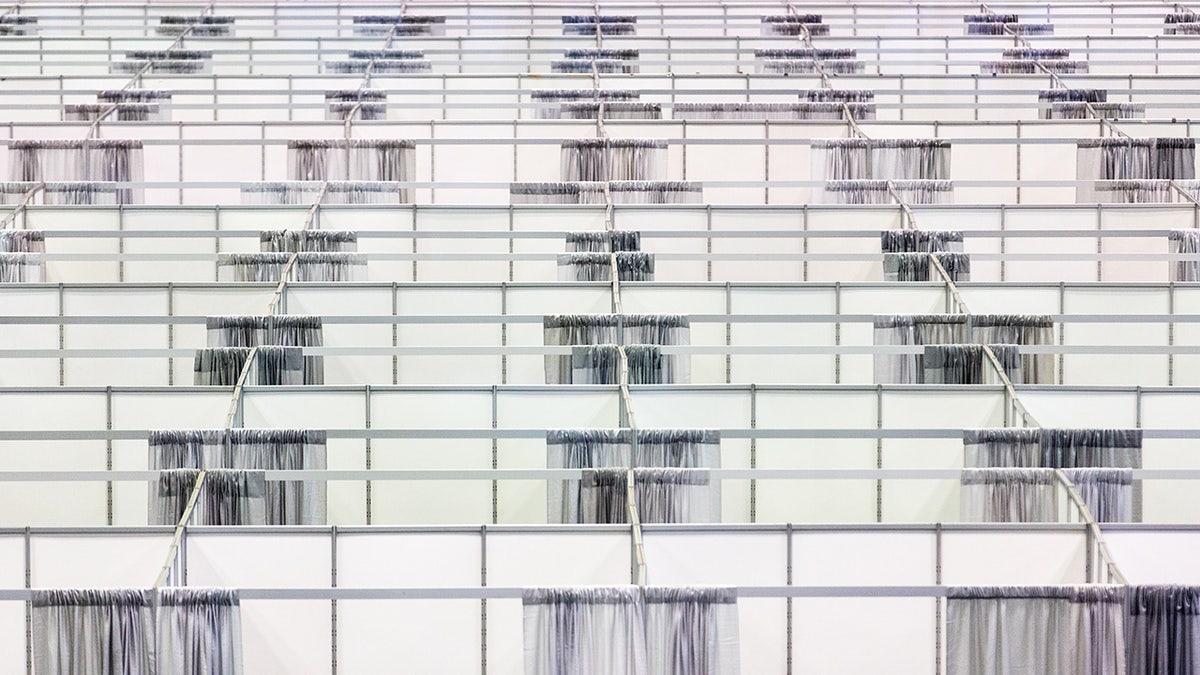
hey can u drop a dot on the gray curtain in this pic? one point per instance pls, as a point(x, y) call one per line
point(631, 266)
point(692, 630)
point(919, 266)
point(605, 159)
point(166, 61)
point(273, 365)
point(309, 266)
point(93, 632)
point(106, 160)
point(227, 497)
point(286, 502)
point(336, 192)
point(387, 160)
point(604, 241)
point(1048, 630)
point(640, 333)
point(662, 495)
point(1019, 329)
point(584, 631)
point(620, 192)
point(1185, 242)
point(1162, 630)
point(402, 25)
point(1009, 496)
point(381, 62)
point(170, 631)
point(199, 631)
point(285, 330)
point(588, 60)
point(1113, 158)
point(626, 630)
point(589, 24)
point(804, 110)
point(1108, 493)
point(549, 102)
point(326, 241)
point(880, 159)
point(970, 364)
point(913, 329)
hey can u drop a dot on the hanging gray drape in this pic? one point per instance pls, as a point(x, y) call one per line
point(169, 631)
point(605, 159)
point(620, 192)
point(913, 329)
point(388, 160)
point(692, 630)
point(1185, 242)
point(106, 160)
point(1100, 459)
point(803, 110)
point(1048, 630)
point(604, 241)
point(627, 630)
point(1108, 493)
point(402, 25)
point(969, 364)
point(662, 495)
point(227, 497)
point(336, 192)
point(93, 632)
point(589, 24)
point(613, 448)
point(1009, 496)
point(793, 25)
point(920, 241)
point(584, 630)
point(195, 26)
point(880, 159)
point(549, 102)
point(875, 191)
point(1019, 329)
point(1113, 158)
point(165, 61)
point(806, 60)
point(364, 104)
point(286, 330)
point(309, 266)
point(273, 365)
point(1162, 630)
point(592, 60)
point(381, 62)
point(920, 267)
point(199, 631)
point(288, 241)
point(636, 331)
point(21, 258)
point(286, 502)
point(601, 364)
point(631, 266)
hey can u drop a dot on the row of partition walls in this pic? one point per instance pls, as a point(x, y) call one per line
point(380, 315)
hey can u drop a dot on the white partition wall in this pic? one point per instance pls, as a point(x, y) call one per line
point(768, 191)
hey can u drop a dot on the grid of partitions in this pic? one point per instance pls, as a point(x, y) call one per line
point(421, 199)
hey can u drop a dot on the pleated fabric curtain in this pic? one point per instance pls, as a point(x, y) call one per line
point(377, 160)
point(970, 364)
point(601, 364)
point(322, 241)
point(587, 60)
point(104, 160)
point(165, 61)
point(631, 266)
point(85, 631)
point(176, 631)
point(1010, 496)
point(199, 631)
point(604, 241)
point(1185, 242)
point(1019, 329)
point(590, 24)
point(874, 191)
point(842, 61)
point(793, 24)
point(692, 630)
point(662, 495)
point(115, 112)
point(227, 497)
point(286, 330)
point(802, 110)
point(273, 365)
point(309, 266)
point(991, 23)
point(305, 192)
point(913, 330)
point(21, 256)
point(286, 502)
point(381, 62)
point(552, 104)
point(614, 159)
point(640, 333)
point(1124, 159)
point(918, 159)
point(68, 193)
point(620, 192)
point(617, 448)
point(920, 267)
point(1098, 462)
point(1162, 630)
point(921, 241)
point(584, 630)
point(402, 25)
point(362, 104)
point(686, 630)
point(1049, 630)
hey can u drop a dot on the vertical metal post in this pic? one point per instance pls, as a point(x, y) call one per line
point(333, 604)
point(108, 453)
point(495, 456)
point(483, 607)
point(367, 421)
point(878, 453)
point(754, 452)
point(790, 625)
